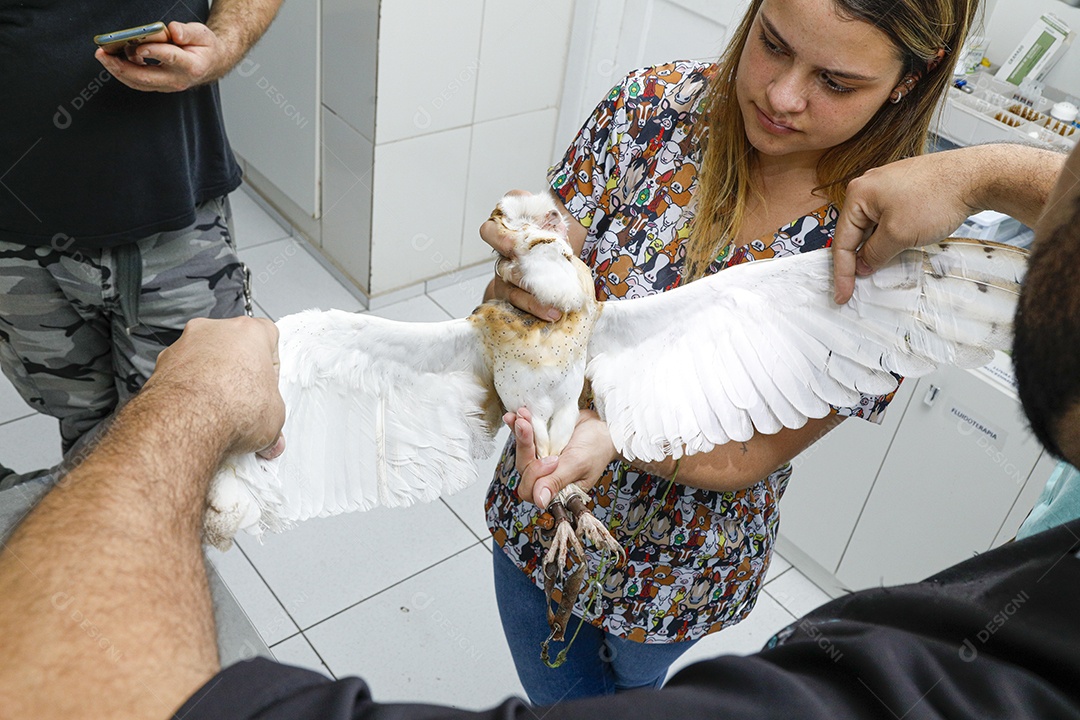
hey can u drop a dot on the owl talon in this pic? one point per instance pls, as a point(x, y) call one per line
point(588, 527)
point(564, 544)
point(591, 529)
point(573, 522)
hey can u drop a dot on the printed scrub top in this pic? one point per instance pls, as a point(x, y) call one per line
point(629, 178)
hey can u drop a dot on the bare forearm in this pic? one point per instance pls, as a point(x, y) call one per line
point(1014, 179)
point(240, 24)
point(728, 468)
point(103, 586)
point(738, 465)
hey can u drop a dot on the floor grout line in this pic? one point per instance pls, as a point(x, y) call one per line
point(269, 589)
point(774, 577)
point(249, 246)
point(392, 586)
point(461, 519)
point(310, 644)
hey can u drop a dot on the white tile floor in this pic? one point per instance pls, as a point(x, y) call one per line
point(402, 598)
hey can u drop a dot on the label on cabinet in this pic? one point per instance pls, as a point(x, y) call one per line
point(969, 423)
point(1000, 370)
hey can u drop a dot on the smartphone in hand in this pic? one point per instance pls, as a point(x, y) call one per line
point(114, 43)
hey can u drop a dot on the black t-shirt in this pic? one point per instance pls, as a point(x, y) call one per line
point(997, 636)
point(83, 156)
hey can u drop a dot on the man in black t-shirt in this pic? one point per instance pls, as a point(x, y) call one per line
point(115, 228)
point(105, 612)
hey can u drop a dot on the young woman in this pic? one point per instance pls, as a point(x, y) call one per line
point(683, 170)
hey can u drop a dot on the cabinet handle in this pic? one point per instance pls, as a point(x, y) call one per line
point(931, 396)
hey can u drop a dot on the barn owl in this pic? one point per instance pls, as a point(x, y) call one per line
point(380, 412)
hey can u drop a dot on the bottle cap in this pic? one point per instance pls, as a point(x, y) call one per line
point(1064, 111)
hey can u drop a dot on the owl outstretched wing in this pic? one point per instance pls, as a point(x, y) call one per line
point(762, 346)
point(378, 412)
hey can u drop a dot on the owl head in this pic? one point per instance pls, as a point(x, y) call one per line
point(542, 257)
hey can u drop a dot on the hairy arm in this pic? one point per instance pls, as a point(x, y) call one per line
point(104, 604)
point(198, 53)
point(920, 200)
point(239, 24)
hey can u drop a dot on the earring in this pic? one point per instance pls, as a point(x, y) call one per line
point(904, 87)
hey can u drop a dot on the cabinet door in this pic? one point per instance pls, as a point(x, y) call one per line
point(960, 458)
point(832, 479)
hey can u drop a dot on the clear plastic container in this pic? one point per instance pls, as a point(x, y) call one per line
point(1017, 113)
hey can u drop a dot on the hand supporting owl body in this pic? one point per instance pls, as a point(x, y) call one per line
point(582, 461)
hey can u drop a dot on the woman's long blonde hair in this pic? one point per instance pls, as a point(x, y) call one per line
point(918, 28)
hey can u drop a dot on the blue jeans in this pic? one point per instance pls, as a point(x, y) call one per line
point(598, 663)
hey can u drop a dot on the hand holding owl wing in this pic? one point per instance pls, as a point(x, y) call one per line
point(762, 346)
point(377, 412)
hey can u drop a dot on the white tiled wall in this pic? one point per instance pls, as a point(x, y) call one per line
point(612, 37)
point(522, 55)
point(271, 105)
point(418, 201)
point(347, 162)
point(700, 36)
point(428, 65)
point(350, 34)
point(400, 86)
point(507, 153)
point(467, 105)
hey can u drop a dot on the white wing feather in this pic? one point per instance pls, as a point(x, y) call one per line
point(761, 346)
point(378, 413)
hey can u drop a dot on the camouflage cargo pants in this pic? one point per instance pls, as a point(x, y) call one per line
point(80, 330)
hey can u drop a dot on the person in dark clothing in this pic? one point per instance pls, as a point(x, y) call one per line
point(115, 227)
point(994, 637)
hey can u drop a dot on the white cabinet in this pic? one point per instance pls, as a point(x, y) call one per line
point(951, 472)
point(832, 479)
point(956, 466)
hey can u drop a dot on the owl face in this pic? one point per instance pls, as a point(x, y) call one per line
point(524, 214)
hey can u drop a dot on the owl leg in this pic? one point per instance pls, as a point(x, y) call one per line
point(586, 524)
point(541, 438)
point(561, 427)
point(574, 520)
